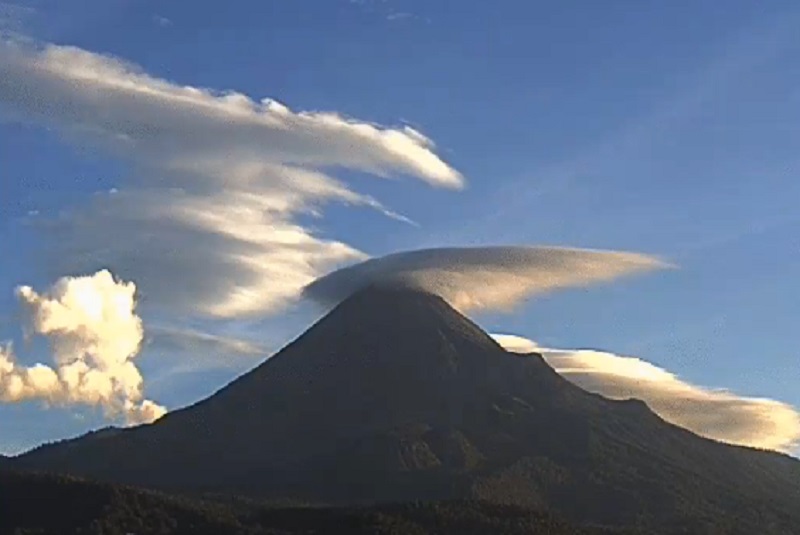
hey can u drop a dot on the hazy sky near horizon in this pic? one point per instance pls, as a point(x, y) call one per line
point(663, 128)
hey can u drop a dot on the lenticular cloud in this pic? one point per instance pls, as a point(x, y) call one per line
point(220, 185)
point(482, 278)
point(713, 413)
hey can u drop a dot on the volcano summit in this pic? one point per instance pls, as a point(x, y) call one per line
point(394, 396)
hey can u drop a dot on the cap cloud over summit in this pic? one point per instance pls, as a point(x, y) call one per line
point(483, 278)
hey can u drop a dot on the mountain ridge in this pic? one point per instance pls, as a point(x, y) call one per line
point(394, 396)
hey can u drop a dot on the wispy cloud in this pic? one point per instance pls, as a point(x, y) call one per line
point(397, 15)
point(162, 21)
point(179, 350)
point(387, 10)
point(620, 156)
point(191, 340)
point(14, 16)
point(210, 224)
point(710, 412)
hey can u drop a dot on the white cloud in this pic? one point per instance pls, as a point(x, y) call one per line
point(713, 413)
point(483, 278)
point(179, 123)
point(516, 344)
point(385, 9)
point(210, 224)
point(94, 335)
point(162, 21)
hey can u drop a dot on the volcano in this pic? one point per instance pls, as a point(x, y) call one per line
point(394, 396)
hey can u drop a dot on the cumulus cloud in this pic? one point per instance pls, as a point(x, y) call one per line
point(483, 278)
point(210, 223)
point(94, 335)
point(714, 413)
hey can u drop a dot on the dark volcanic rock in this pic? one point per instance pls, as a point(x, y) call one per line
point(394, 396)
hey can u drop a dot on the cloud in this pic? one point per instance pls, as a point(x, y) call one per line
point(516, 344)
point(386, 10)
point(176, 122)
point(181, 350)
point(483, 278)
point(162, 21)
point(209, 224)
point(399, 15)
point(713, 413)
point(13, 16)
point(94, 336)
point(191, 340)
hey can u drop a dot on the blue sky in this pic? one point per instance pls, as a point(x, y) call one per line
point(668, 128)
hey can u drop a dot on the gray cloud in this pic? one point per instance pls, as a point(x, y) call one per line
point(177, 339)
point(179, 350)
point(710, 412)
point(483, 278)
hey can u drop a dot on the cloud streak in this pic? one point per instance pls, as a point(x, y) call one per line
point(94, 335)
point(713, 413)
point(191, 340)
point(483, 278)
point(209, 225)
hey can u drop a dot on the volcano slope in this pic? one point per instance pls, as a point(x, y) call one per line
point(394, 397)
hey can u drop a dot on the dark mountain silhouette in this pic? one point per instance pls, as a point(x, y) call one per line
point(60, 505)
point(395, 397)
